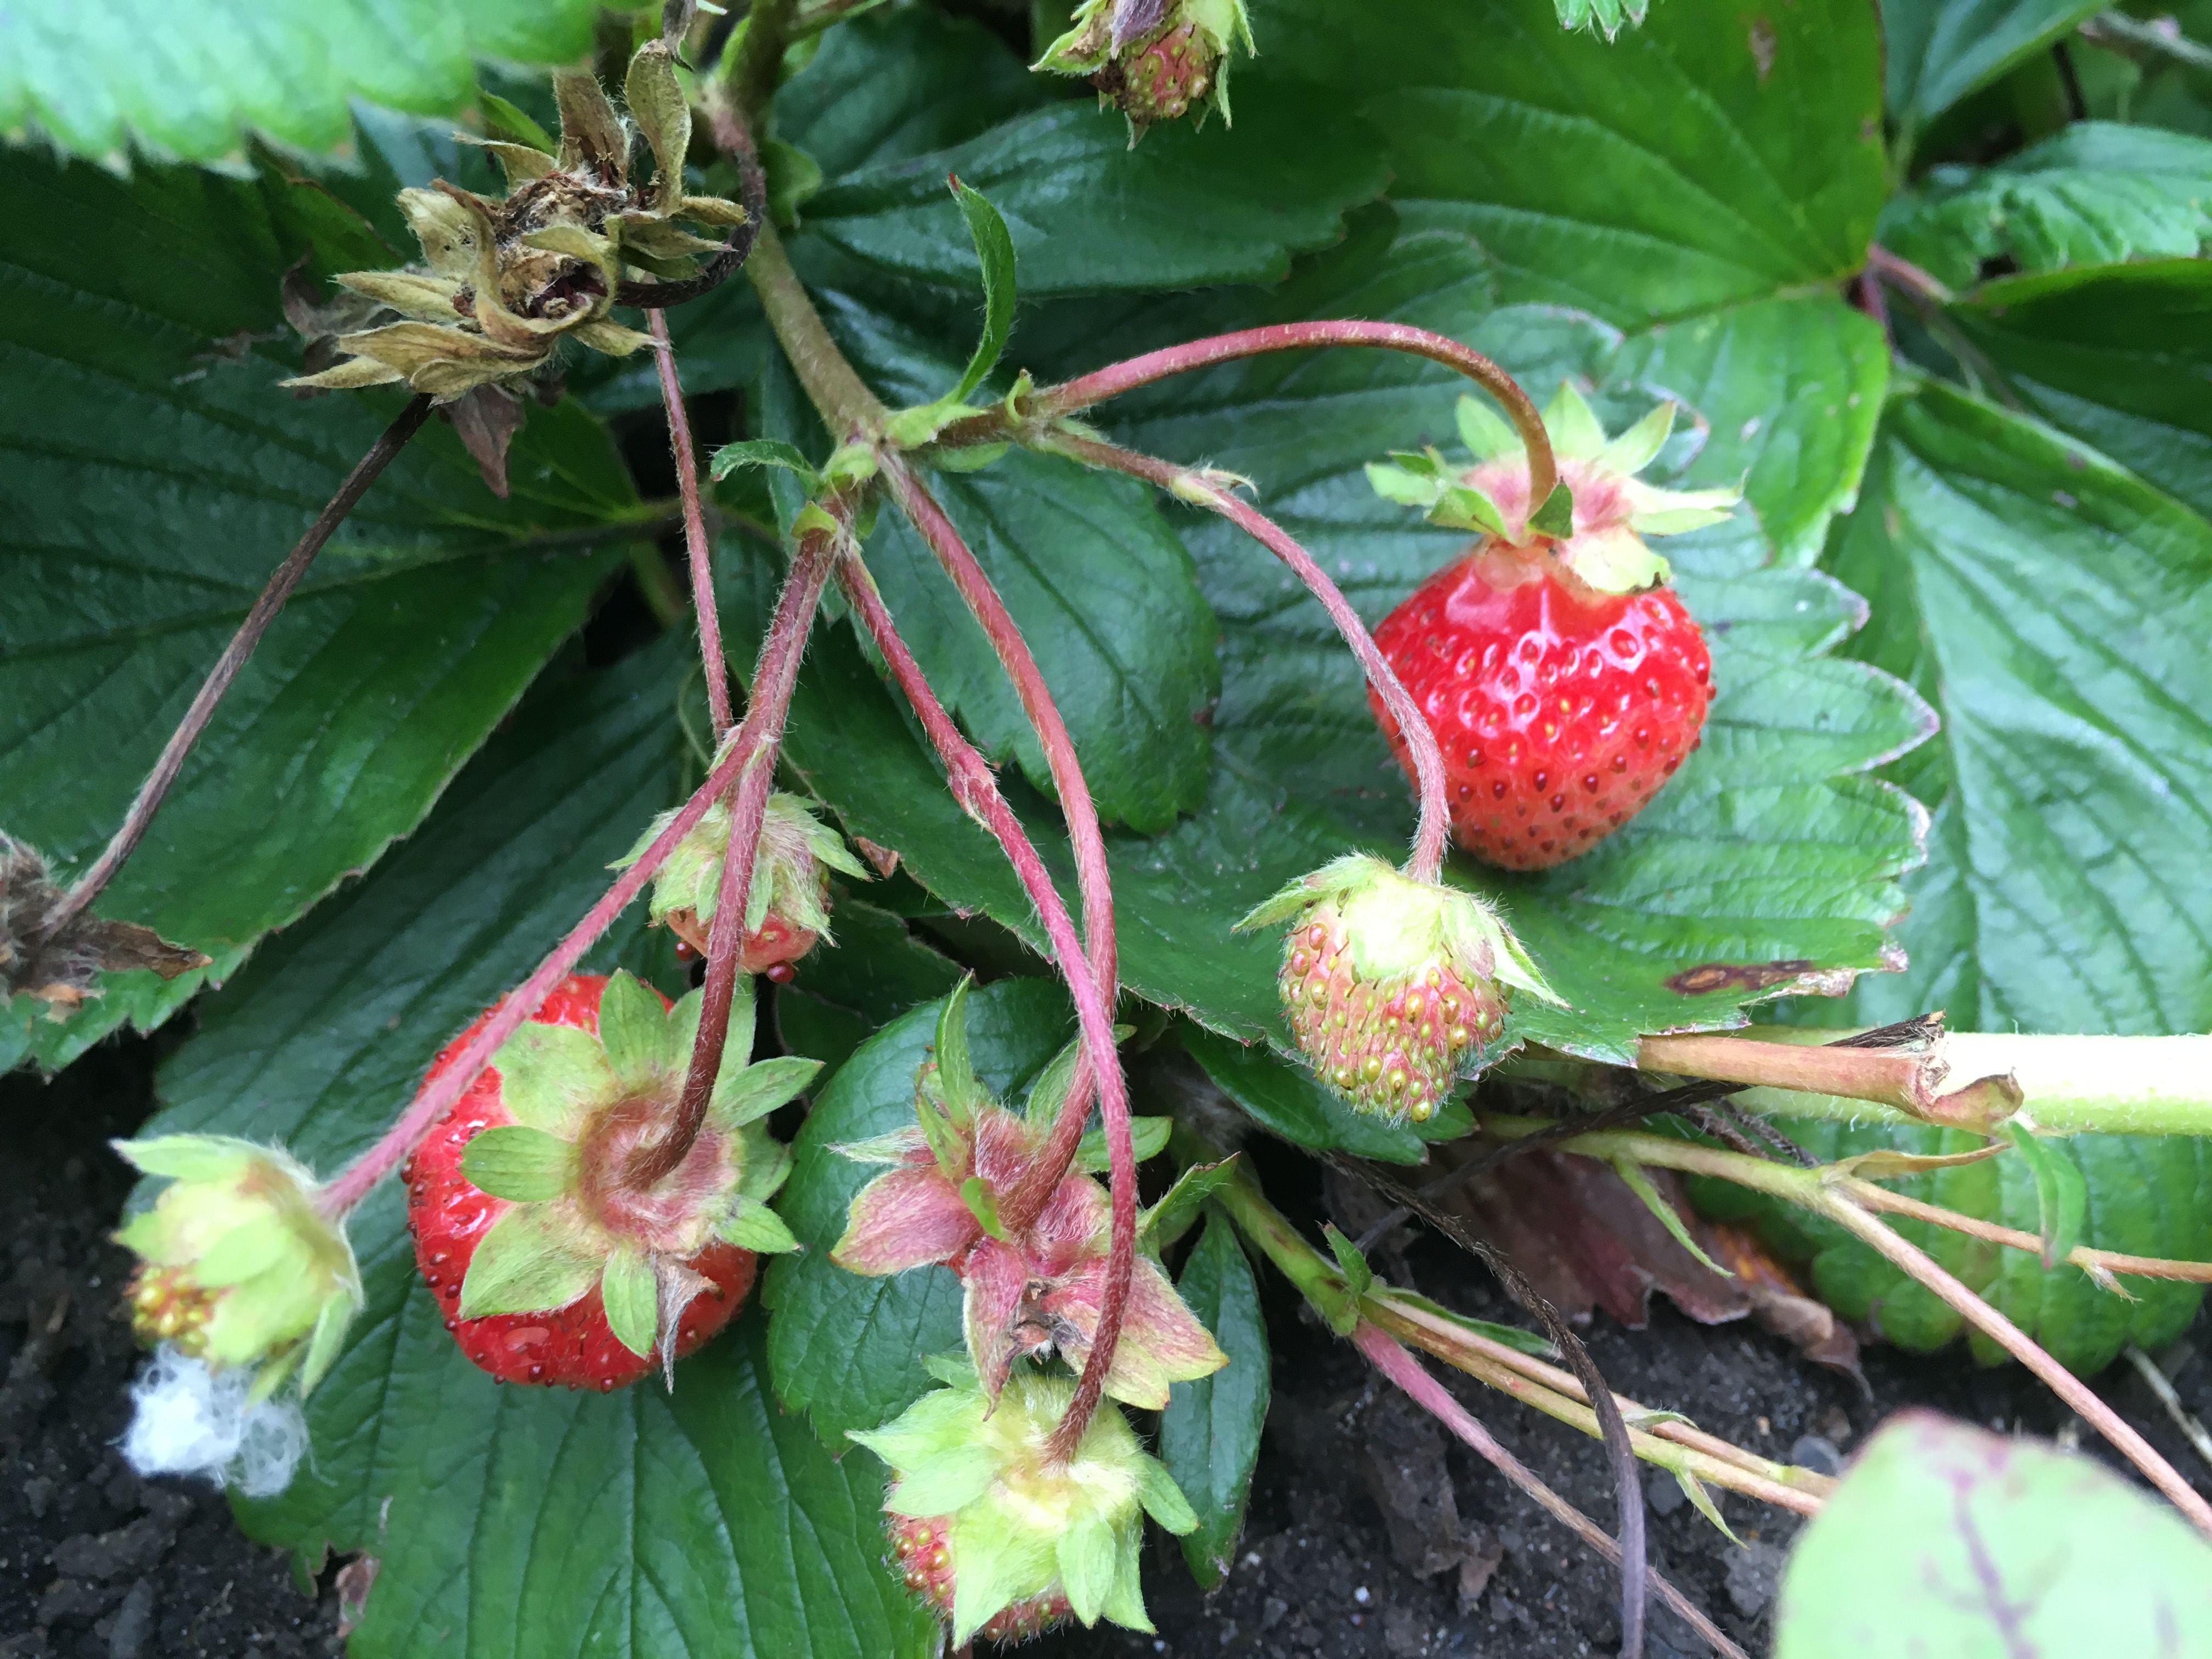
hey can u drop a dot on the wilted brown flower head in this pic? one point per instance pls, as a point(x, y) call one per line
point(503, 282)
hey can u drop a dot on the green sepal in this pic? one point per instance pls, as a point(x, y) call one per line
point(970, 457)
point(963, 1093)
point(683, 1031)
point(983, 1204)
point(814, 519)
point(1169, 1219)
point(632, 1295)
point(765, 1162)
point(956, 1368)
point(1556, 517)
point(328, 1339)
point(752, 1225)
point(1637, 448)
point(1162, 1500)
point(273, 1376)
point(890, 1148)
point(1147, 1136)
point(1052, 1084)
point(851, 463)
point(755, 1091)
point(1126, 1605)
point(1359, 1277)
point(256, 1244)
point(515, 1161)
point(1573, 428)
point(189, 1158)
point(941, 1484)
point(1408, 479)
point(2062, 1194)
point(1694, 1490)
point(551, 1077)
point(633, 1030)
point(1486, 434)
point(765, 452)
point(1089, 1553)
point(524, 1266)
point(506, 121)
point(946, 1144)
point(1633, 1177)
point(995, 253)
point(1462, 506)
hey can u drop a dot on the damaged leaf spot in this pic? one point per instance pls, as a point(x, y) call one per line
point(1737, 976)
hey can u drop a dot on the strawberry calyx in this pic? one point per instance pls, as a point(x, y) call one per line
point(1393, 987)
point(1153, 59)
point(585, 1105)
point(1590, 531)
point(788, 904)
point(993, 1530)
point(1036, 1290)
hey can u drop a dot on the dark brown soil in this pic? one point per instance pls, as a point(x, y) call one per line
point(1355, 1545)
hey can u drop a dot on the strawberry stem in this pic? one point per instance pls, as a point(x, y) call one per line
point(695, 525)
point(1424, 1391)
point(1071, 396)
point(1043, 1177)
point(788, 634)
point(286, 578)
point(977, 790)
point(1909, 1080)
point(1190, 485)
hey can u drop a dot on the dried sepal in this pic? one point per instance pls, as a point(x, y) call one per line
point(61, 966)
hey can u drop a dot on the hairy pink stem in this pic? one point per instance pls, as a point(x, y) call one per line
point(171, 761)
point(757, 740)
point(1072, 396)
point(1410, 1375)
point(1194, 486)
point(1918, 1264)
point(787, 635)
point(695, 525)
point(1042, 1178)
point(977, 792)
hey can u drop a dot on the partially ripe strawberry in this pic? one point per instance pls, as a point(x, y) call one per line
point(787, 907)
point(1153, 59)
point(1564, 680)
point(1394, 988)
point(551, 1262)
point(994, 1532)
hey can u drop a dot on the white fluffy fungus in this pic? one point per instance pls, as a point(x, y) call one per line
point(187, 1420)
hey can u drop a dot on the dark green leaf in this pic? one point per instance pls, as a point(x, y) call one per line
point(189, 82)
point(1210, 1433)
point(1106, 598)
point(2121, 358)
point(421, 1459)
point(1167, 1221)
point(1941, 50)
point(1706, 158)
point(994, 254)
point(1087, 213)
point(2095, 193)
point(154, 475)
point(1286, 1098)
point(875, 971)
point(846, 1350)
point(1950, 1540)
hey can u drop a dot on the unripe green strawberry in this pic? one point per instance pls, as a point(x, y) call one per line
point(1153, 59)
point(787, 907)
point(1393, 988)
point(238, 1265)
point(1564, 680)
point(993, 1530)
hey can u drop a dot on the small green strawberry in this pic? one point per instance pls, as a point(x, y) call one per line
point(1394, 988)
point(1154, 59)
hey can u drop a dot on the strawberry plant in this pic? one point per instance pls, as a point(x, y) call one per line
point(912, 636)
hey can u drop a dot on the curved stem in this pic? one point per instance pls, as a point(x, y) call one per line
point(977, 792)
point(353, 1183)
point(1042, 1178)
point(1408, 1373)
point(832, 386)
point(1201, 489)
point(1071, 396)
point(695, 525)
point(287, 577)
point(753, 745)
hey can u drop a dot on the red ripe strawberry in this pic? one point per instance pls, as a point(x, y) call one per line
point(1564, 680)
point(551, 1263)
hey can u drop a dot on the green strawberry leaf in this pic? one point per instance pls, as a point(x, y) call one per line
point(1941, 50)
point(191, 83)
point(155, 475)
point(1287, 1098)
point(846, 1350)
point(517, 1162)
point(2118, 357)
point(1210, 1431)
point(2094, 193)
point(1161, 1224)
point(752, 1225)
point(419, 1457)
point(1148, 1135)
point(2061, 1195)
point(1954, 1525)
